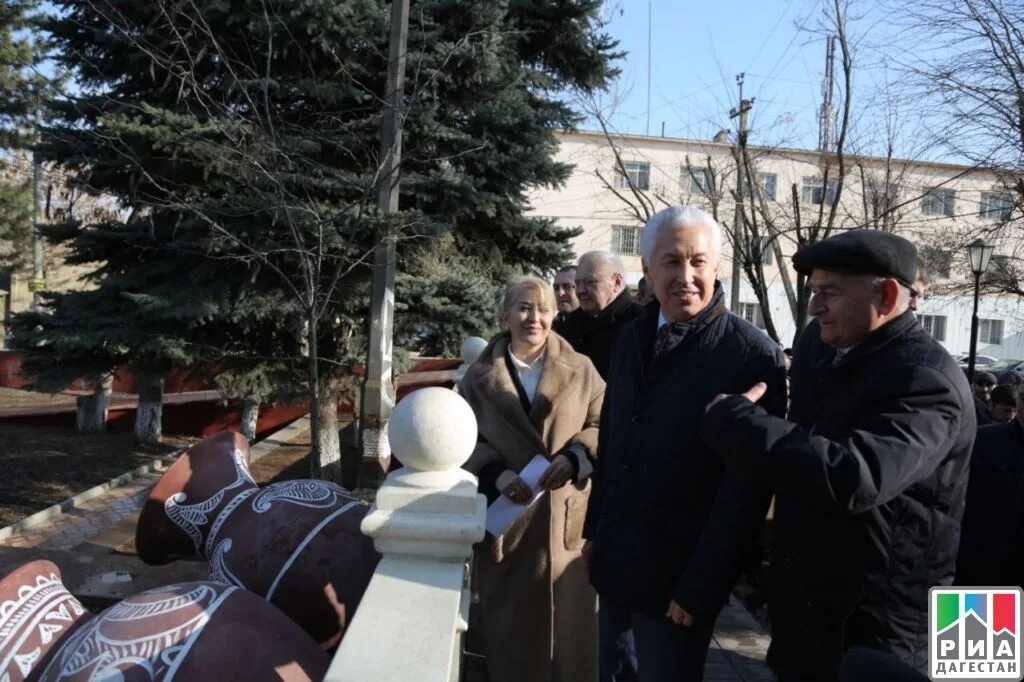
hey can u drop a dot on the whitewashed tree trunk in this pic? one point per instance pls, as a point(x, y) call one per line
point(91, 416)
point(149, 415)
point(327, 432)
point(250, 415)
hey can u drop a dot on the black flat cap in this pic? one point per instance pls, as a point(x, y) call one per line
point(861, 252)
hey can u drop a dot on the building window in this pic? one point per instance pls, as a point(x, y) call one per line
point(815, 191)
point(1000, 264)
point(990, 331)
point(766, 181)
point(637, 172)
point(996, 206)
point(938, 201)
point(697, 180)
point(934, 325)
point(767, 255)
point(751, 312)
point(626, 240)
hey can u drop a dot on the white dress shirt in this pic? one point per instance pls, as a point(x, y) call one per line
point(529, 373)
point(662, 320)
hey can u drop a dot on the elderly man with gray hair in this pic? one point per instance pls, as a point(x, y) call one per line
point(870, 469)
point(605, 306)
point(668, 527)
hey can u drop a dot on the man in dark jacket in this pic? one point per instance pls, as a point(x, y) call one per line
point(564, 285)
point(870, 470)
point(605, 306)
point(992, 541)
point(984, 384)
point(667, 528)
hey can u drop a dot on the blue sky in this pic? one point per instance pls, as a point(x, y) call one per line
point(698, 48)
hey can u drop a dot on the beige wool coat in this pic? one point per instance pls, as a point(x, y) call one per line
point(538, 610)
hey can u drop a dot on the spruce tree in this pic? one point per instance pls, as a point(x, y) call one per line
point(242, 143)
point(21, 89)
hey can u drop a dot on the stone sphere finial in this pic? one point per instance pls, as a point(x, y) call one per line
point(432, 429)
point(471, 348)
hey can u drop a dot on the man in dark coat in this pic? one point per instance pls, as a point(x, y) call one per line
point(564, 285)
point(667, 528)
point(992, 541)
point(605, 306)
point(984, 384)
point(870, 470)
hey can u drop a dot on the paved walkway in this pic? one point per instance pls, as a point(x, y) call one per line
point(738, 648)
point(79, 524)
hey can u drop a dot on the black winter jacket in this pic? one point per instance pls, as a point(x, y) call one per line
point(665, 521)
point(594, 336)
point(992, 541)
point(869, 477)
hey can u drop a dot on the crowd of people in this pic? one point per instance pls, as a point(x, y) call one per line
point(670, 425)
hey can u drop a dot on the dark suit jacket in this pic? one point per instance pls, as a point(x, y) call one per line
point(594, 336)
point(666, 520)
point(992, 538)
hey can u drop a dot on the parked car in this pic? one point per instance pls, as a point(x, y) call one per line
point(979, 360)
point(1007, 371)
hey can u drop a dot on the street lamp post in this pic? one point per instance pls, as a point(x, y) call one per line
point(979, 254)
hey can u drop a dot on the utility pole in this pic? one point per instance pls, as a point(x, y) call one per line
point(826, 116)
point(38, 282)
point(378, 391)
point(648, 69)
point(737, 224)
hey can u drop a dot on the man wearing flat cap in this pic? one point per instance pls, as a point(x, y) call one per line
point(869, 470)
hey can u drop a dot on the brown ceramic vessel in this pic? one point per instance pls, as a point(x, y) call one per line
point(36, 612)
point(195, 632)
point(295, 543)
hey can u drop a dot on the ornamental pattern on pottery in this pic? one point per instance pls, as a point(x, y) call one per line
point(192, 517)
point(166, 628)
point(310, 493)
point(219, 571)
point(44, 609)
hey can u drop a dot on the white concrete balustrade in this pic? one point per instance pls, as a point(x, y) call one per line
point(427, 516)
point(469, 350)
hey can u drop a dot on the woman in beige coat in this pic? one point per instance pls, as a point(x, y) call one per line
point(533, 394)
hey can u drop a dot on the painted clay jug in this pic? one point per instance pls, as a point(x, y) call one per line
point(295, 543)
point(198, 631)
point(36, 612)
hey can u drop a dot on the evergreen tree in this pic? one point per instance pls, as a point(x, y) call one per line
point(15, 227)
point(242, 142)
point(21, 88)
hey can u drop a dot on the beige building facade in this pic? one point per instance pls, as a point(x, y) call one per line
point(940, 207)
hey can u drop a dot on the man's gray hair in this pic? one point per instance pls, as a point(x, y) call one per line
point(678, 216)
point(902, 296)
point(613, 262)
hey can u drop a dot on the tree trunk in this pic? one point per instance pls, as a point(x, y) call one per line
point(327, 433)
point(92, 409)
point(313, 379)
point(250, 415)
point(148, 416)
point(803, 299)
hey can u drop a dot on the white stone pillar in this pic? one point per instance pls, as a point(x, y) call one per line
point(427, 516)
point(469, 350)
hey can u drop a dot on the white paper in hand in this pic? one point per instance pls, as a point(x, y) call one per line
point(504, 511)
